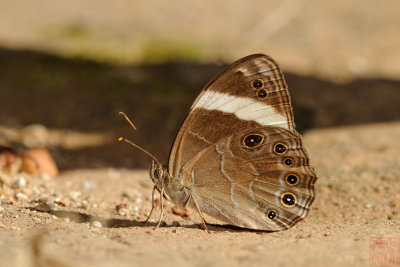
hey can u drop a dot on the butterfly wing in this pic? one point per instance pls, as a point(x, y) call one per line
point(213, 154)
point(249, 93)
point(250, 184)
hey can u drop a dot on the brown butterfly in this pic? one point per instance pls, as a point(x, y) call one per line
point(237, 156)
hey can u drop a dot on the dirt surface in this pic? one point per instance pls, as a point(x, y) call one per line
point(94, 217)
point(68, 67)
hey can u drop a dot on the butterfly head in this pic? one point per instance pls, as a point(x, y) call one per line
point(157, 173)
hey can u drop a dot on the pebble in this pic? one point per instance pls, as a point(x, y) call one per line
point(19, 183)
point(1, 209)
point(180, 211)
point(122, 209)
point(21, 196)
point(97, 224)
point(123, 212)
point(84, 204)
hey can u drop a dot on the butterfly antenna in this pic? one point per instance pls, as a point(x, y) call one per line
point(127, 119)
point(132, 143)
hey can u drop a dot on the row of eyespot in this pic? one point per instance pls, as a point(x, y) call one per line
point(254, 140)
point(287, 199)
point(258, 85)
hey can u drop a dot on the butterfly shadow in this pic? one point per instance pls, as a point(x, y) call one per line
point(80, 217)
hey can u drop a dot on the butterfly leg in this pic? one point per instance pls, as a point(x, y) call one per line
point(162, 208)
point(198, 209)
point(152, 204)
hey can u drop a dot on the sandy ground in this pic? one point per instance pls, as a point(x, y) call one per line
point(94, 217)
point(68, 67)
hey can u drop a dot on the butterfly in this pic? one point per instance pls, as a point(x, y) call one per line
point(237, 156)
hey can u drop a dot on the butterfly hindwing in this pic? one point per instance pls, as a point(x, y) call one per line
point(252, 181)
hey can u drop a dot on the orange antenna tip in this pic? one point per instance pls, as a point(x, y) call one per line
point(121, 139)
point(127, 119)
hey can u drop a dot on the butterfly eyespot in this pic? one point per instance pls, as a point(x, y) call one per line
point(288, 200)
point(292, 179)
point(257, 84)
point(252, 141)
point(288, 162)
point(262, 93)
point(272, 214)
point(280, 148)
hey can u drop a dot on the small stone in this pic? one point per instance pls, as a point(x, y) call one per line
point(97, 224)
point(84, 204)
point(181, 211)
point(121, 206)
point(1, 209)
point(21, 196)
point(37, 219)
point(19, 183)
point(123, 212)
point(368, 206)
point(52, 207)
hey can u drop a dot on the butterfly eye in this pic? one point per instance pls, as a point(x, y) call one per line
point(280, 148)
point(262, 93)
point(272, 214)
point(253, 140)
point(292, 179)
point(288, 200)
point(257, 84)
point(288, 162)
point(158, 173)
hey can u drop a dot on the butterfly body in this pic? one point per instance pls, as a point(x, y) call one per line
point(237, 156)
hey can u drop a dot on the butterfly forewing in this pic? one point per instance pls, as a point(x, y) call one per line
point(249, 93)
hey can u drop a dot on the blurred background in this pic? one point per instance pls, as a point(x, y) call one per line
point(68, 67)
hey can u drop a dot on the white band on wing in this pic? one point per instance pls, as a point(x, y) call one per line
point(243, 107)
